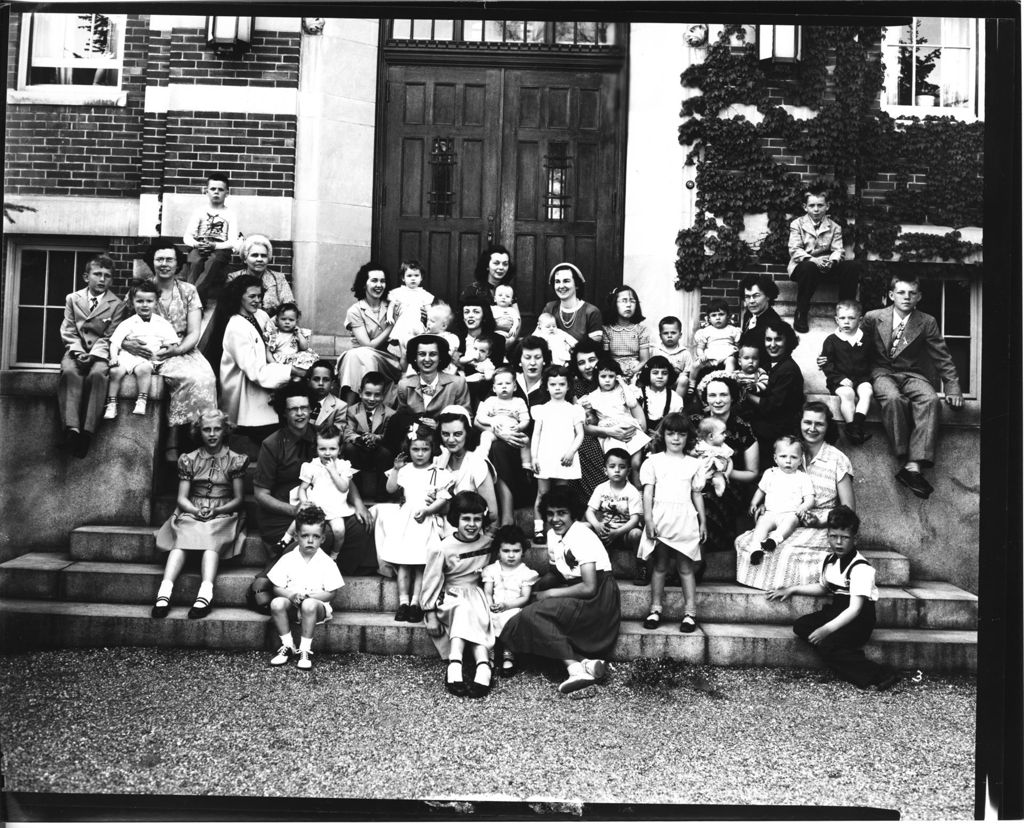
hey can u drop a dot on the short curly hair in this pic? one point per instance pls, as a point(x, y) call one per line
point(163, 243)
point(764, 282)
point(196, 425)
point(363, 274)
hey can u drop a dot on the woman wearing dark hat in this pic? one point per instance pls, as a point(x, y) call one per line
point(428, 390)
point(575, 316)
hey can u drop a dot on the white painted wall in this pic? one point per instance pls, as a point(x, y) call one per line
point(657, 205)
point(333, 206)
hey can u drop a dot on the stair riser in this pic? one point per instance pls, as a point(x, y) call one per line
point(715, 602)
point(138, 546)
point(36, 628)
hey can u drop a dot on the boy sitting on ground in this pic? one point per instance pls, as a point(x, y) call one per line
point(305, 582)
point(839, 631)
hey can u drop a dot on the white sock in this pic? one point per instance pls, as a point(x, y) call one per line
point(306, 644)
point(538, 526)
point(164, 592)
point(286, 640)
point(403, 599)
point(286, 537)
point(206, 591)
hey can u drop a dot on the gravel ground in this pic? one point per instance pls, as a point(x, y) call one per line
point(152, 721)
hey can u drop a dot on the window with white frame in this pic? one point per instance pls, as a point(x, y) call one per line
point(509, 32)
point(70, 57)
point(934, 66)
point(955, 302)
point(41, 276)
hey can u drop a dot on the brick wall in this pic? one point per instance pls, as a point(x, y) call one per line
point(272, 60)
point(76, 150)
point(256, 151)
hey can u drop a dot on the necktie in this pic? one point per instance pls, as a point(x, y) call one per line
point(896, 336)
point(93, 302)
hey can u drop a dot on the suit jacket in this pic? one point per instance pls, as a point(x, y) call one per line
point(333, 411)
point(88, 332)
point(246, 377)
point(357, 422)
point(451, 390)
point(921, 349)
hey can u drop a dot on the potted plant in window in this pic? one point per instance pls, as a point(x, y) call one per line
point(927, 93)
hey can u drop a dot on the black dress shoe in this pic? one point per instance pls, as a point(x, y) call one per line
point(915, 482)
point(81, 447)
point(800, 322)
point(160, 610)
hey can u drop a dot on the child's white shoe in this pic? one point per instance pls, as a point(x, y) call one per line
point(282, 656)
point(140, 407)
point(110, 411)
point(305, 661)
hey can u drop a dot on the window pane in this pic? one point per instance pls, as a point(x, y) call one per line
point(421, 29)
point(927, 71)
point(30, 335)
point(493, 31)
point(473, 31)
point(586, 33)
point(48, 35)
point(929, 29)
point(565, 32)
point(444, 29)
point(958, 309)
point(606, 34)
point(954, 72)
point(535, 31)
point(33, 277)
point(906, 34)
point(514, 31)
point(62, 271)
point(960, 350)
point(53, 349)
point(904, 89)
point(401, 29)
point(955, 31)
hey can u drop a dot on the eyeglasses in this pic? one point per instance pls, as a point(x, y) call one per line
point(298, 409)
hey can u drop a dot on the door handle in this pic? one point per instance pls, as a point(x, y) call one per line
point(490, 229)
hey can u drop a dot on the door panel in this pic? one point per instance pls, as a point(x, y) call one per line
point(537, 159)
point(427, 213)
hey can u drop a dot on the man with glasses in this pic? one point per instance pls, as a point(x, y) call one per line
point(277, 473)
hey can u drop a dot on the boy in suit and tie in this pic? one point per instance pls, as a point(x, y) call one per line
point(90, 317)
point(909, 356)
point(363, 436)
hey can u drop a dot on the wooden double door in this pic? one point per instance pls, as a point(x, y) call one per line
point(528, 159)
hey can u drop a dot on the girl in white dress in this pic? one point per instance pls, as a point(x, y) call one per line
point(404, 536)
point(615, 404)
point(508, 583)
point(673, 517)
point(407, 304)
point(557, 435)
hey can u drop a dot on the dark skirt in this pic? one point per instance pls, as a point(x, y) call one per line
point(721, 514)
point(568, 628)
point(507, 462)
point(591, 467)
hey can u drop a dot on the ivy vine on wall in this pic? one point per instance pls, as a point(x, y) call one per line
point(932, 165)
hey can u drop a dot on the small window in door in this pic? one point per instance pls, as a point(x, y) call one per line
point(556, 164)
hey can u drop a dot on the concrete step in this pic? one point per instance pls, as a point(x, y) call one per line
point(53, 576)
point(136, 544)
point(39, 624)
